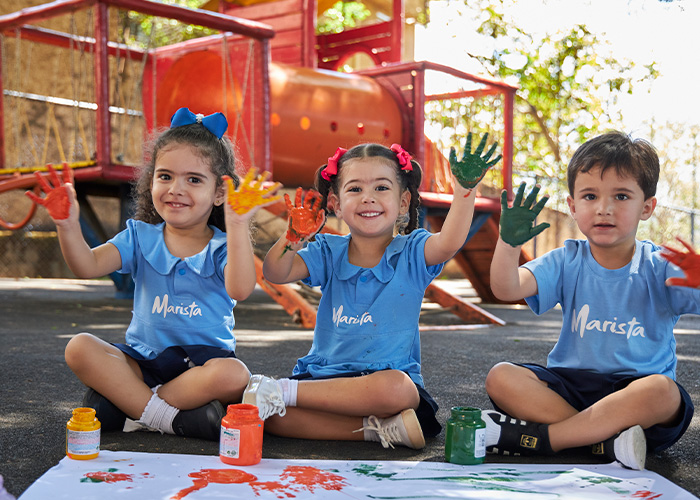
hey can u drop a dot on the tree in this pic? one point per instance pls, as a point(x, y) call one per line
point(569, 86)
point(342, 15)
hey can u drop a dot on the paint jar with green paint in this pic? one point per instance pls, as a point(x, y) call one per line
point(465, 436)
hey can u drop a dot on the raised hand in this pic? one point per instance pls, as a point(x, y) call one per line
point(305, 219)
point(472, 167)
point(688, 261)
point(57, 200)
point(250, 192)
point(517, 221)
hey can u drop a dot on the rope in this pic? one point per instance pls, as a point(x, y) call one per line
point(43, 168)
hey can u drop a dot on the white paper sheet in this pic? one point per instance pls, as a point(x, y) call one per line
point(131, 475)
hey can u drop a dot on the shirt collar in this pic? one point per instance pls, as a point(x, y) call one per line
point(383, 271)
point(164, 262)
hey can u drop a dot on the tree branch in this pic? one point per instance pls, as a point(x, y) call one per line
point(532, 111)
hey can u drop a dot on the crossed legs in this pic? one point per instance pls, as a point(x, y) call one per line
point(647, 401)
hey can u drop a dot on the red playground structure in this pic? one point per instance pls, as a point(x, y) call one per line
point(266, 68)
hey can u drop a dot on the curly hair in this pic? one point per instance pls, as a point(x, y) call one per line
point(218, 153)
point(408, 179)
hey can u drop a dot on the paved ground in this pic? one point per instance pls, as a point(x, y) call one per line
point(38, 391)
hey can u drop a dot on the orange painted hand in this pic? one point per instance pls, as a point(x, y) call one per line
point(304, 220)
point(688, 261)
point(57, 200)
point(250, 192)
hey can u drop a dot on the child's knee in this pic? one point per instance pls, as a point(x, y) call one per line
point(78, 348)
point(229, 373)
point(500, 376)
point(396, 391)
point(659, 388)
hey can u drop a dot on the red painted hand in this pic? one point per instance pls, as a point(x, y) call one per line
point(57, 200)
point(304, 220)
point(688, 261)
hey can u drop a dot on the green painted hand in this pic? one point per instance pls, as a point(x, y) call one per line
point(472, 167)
point(517, 221)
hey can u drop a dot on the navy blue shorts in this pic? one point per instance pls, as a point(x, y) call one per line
point(173, 361)
point(582, 388)
point(426, 411)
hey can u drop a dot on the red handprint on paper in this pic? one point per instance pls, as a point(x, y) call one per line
point(688, 261)
point(57, 200)
point(304, 220)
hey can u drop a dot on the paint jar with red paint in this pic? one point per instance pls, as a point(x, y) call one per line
point(83, 435)
point(241, 435)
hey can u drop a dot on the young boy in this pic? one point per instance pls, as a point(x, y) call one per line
point(610, 378)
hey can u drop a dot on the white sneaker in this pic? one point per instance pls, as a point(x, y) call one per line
point(630, 448)
point(403, 428)
point(265, 393)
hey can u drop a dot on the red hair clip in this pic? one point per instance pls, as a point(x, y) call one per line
point(332, 166)
point(403, 157)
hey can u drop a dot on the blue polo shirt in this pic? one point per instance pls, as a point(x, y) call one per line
point(615, 321)
point(176, 301)
point(367, 319)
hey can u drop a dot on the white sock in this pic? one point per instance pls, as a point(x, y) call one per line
point(289, 389)
point(493, 430)
point(158, 414)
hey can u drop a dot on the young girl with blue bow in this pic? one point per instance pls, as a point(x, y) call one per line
point(178, 364)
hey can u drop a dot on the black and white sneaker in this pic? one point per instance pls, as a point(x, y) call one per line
point(511, 436)
point(629, 447)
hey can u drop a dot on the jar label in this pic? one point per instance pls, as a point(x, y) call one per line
point(479, 443)
point(230, 442)
point(83, 442)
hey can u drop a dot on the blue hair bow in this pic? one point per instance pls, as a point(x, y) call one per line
point(215, 123)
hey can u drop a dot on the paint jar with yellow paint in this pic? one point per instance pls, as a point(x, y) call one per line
point(465, 436)
point(83, 434)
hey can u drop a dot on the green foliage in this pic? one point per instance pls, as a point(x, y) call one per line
point(145, 31)
point(342, 15)
point(569, 87)
point(678, 210)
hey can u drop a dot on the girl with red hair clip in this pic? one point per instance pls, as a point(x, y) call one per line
point(362, 379)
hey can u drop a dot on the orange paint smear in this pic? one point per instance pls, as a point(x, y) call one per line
point(312, 478)
point(294, 479)
point(280, 490)
point(219, 476)
point(649, 495)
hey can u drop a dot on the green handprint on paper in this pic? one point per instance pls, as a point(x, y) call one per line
point(472, 167)
point(517, 221)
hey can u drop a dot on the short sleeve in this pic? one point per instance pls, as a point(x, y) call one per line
point(547, 271)
point(125, 241)
point(317, 257)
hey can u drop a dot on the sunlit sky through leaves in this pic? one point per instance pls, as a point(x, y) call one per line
point(639, 30)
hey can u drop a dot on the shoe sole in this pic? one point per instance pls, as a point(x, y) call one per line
point(634, 439)
point(413, 429)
